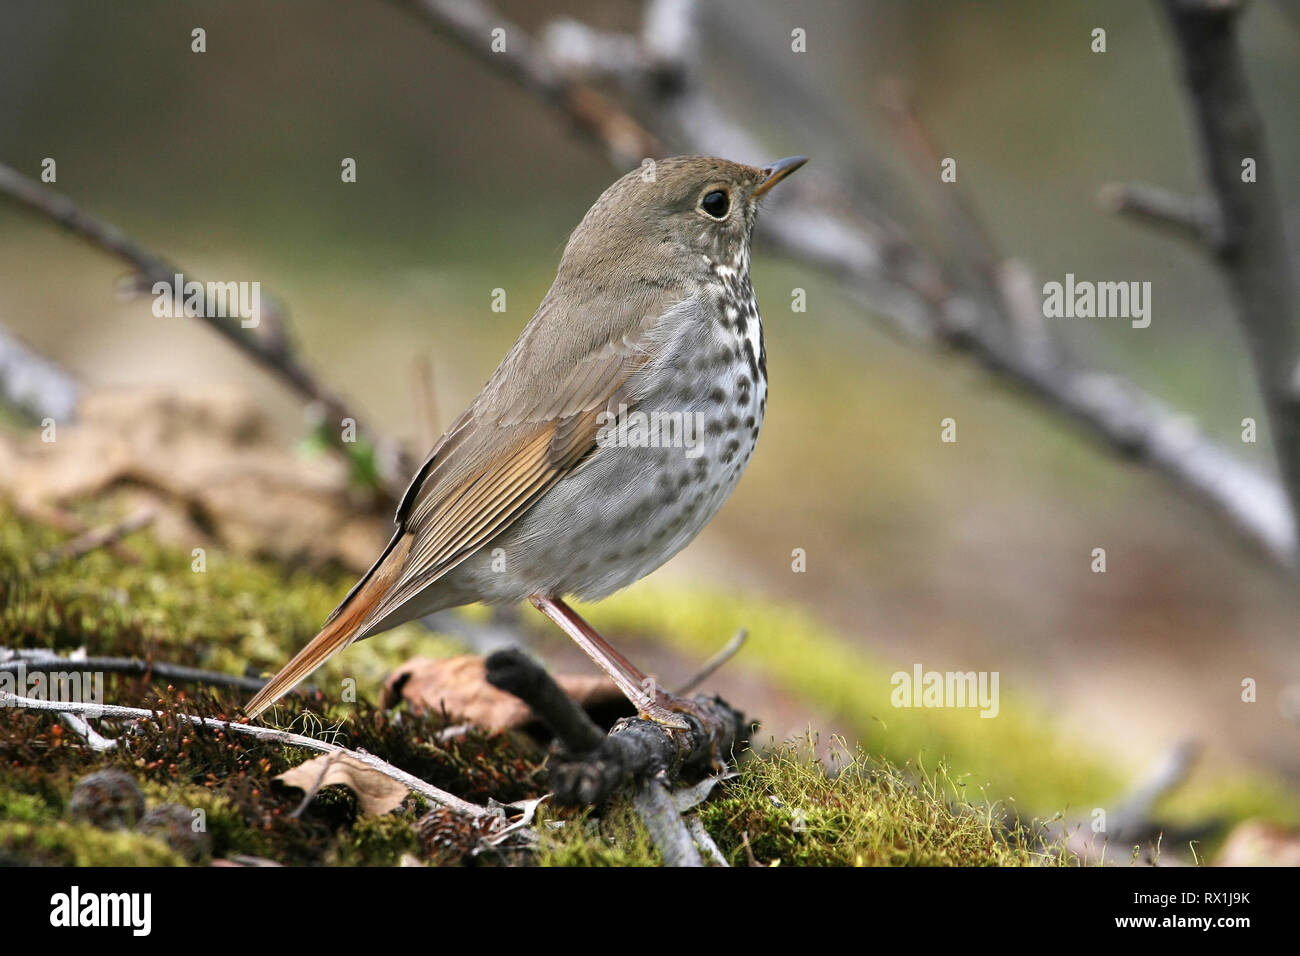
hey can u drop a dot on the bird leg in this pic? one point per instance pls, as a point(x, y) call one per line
point(645, 696)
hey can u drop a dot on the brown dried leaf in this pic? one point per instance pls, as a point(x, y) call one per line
point(377, 793)
point(459, 685)
point(208, 461)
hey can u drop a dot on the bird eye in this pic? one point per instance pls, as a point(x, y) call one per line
point(716, 204)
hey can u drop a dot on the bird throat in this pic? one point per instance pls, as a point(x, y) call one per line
point(740, 314)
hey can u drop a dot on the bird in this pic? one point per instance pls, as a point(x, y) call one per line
point(611, 433)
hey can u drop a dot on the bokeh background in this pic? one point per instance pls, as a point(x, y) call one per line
point(967, 556)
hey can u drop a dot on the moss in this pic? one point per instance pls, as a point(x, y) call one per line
point(785, 808)
point(18, 807)
point(788, 809)
point(224, 820)
point(231, 780)
point(782, 808)
point(235, 613)
point(1022, 755)
point(67, 844)
point(615, 838)
point(380, 841)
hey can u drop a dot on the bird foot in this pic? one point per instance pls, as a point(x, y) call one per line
point(665, 709)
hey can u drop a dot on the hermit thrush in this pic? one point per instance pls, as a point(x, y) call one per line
point(610, 434)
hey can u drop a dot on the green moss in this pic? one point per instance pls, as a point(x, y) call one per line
point(782, 808)
point(379, 841)
point(235, 613)
point(615, 838)
point(224, 820)
point(19, 807)
point(67, 844)
point(786, 809)
point(1021, 755)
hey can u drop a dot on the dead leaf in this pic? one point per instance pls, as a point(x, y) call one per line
point(208, 462)
point(459, 686)
point(377, 793)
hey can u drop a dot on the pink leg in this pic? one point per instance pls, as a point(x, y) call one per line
point(634, 685)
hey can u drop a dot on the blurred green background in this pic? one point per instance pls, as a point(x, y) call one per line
point(967, 556)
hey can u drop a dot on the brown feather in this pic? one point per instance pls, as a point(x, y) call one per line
point(338, 632)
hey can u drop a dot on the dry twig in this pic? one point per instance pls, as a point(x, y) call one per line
point(269, 734)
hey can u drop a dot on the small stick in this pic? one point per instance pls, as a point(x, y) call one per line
point(1193, 217)
point(705, 842)
point(271, 734)
point(667, 829)
point(426, 400)
point(729, 650)
point(139, 668)
point(514, 672)
point(97, 538)
point(81, 727)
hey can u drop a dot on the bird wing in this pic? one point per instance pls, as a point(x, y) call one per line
point(512, 444)
point(517, 439)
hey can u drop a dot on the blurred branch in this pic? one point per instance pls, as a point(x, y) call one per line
point(1132, 818)
point(1249, 245)
point(1131, 821)
point(471, 24)
point(41, 659)
point(822, 221)
point(268, 344)
point(97, 538)
point(33, 384)
point(1192, 217)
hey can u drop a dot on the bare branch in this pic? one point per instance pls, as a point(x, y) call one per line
point(1192, 217)
point(269, 343)
point(667, 829)
point(33, 384)
point(729, 650)
point(514, 672)
point(471, 24)
point(1251, 247)
point(1130, 819)
point(132, 666)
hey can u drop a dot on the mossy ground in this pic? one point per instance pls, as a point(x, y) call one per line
point(921, 798)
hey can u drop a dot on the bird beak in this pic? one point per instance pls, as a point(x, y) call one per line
point(777, 172)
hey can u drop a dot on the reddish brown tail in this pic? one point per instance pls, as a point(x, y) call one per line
point(339, 631)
